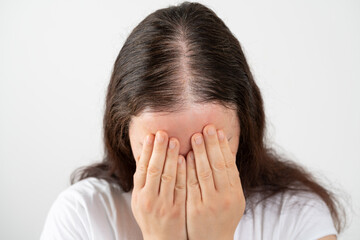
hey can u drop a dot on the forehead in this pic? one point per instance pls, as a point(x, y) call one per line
point(185, 122)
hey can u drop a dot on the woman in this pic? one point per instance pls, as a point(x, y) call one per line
point(185, 155)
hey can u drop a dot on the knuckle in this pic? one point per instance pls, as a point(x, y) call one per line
point(154, 171)
point(213, 208)
point(194, 184)
point(230, 164)
point(147, 205)
point(142, 168)
point(176, 213)
point(166, 178)
point(220, 165)
point(206, 175)
point(180, 187)
point(163, 211)
point(227, 203)
point(195, 212)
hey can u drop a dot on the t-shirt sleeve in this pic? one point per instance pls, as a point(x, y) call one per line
point(65, 219)
point(308, 219)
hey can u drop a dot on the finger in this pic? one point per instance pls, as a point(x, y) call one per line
point(230, 160)
point(203, 169)
point(143, 162)
point(180, 185)
point(168, 176)
point(216, 159)
point(156, 164)
point(193, 192)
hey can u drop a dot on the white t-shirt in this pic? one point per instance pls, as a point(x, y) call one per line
point(94, 209)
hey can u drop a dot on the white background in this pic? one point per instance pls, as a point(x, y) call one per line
point(56, 59)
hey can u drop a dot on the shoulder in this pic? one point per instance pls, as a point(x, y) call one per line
point(90, 188)
point(92, 194)
point(287, 215)
point(287, 202)
point(303, 215)
point(85, 193)
point(82, 206)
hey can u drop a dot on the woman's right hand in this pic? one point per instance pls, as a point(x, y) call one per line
point(159, 194)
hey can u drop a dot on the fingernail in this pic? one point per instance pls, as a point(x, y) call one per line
point(172, 144)
point(211, 131)
point(192, 155)
point(148, 139)
point(198, 140)
point(180, 160)
point(221, 135)
point(159, 138)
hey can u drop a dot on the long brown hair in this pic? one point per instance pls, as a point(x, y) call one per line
point(187, 51)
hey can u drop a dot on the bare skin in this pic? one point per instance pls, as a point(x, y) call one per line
point(158, 198)
point(188, 200)
point(201, 198)
point(183, 124)
point(215, 199)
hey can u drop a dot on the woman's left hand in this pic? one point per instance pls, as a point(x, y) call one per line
point(215, 199)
